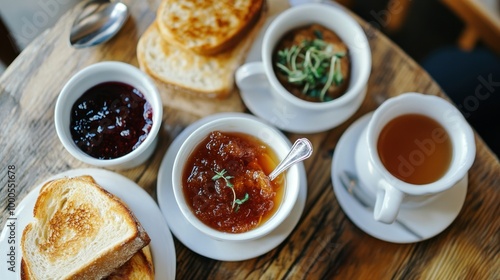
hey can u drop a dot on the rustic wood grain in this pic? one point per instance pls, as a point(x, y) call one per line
point(325, 244)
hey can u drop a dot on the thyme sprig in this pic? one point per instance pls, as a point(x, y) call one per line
point(312, 64)
point(236, 202)
point(241, 201)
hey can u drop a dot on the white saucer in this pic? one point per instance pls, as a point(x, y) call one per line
point(427, 221)
point(139, 201)
point(202, 244)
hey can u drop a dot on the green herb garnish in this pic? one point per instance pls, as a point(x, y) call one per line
point(240, 201)
point(222, 174)
point(312, 64)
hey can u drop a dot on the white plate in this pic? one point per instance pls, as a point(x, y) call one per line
point(138, 200)
point(202, 244)
point(427, 221)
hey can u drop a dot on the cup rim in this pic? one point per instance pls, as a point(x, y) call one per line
point(151, 95)
point(290, 194)
point(355, 86)
point(449, 179)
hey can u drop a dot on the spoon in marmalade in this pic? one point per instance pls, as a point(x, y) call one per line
point(301, 150)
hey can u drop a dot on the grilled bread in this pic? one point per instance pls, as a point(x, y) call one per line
point(80, 231)
point(186, 72)
point(139, 267)
point(207, 27)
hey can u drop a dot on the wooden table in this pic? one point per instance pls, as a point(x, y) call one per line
point(325, 243)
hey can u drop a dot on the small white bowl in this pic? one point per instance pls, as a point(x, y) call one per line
point(108, 71)
point(272, 138)
point(292, 113)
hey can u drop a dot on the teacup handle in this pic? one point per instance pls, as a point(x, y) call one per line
point(250, 75)
point(387, 203)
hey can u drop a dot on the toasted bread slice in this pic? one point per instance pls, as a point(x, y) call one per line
point(80, 231)
point(186, 72)
point(207, 27)
point(139, 267)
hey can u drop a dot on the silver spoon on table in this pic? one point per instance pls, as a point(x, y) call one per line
point(351, 183)
point(98, 21)
point(301, 149)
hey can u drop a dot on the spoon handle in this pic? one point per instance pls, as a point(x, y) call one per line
point(301, 149)
point(351, 185)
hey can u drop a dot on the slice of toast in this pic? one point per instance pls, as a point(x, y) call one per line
point(186, 72)
point(139, 267)
point(207, 27)
point(80, 231)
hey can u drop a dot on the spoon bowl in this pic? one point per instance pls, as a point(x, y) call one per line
point(98, 22)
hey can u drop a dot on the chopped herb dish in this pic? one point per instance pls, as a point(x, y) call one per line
point(312, 63)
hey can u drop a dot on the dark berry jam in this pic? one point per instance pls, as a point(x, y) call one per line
point(110, 120)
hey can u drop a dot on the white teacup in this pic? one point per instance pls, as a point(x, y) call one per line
point(390, 192)
point(255, 75)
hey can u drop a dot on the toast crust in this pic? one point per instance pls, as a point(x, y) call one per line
point(65, 226)
point(207, 27)
point(140, 266)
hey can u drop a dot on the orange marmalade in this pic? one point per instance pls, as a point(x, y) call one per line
point(225, 182)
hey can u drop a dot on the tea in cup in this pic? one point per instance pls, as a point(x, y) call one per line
point(414, 147)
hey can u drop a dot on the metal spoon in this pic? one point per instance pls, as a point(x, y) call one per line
point(98, 21)
point(351, 184)
point(301, 149)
